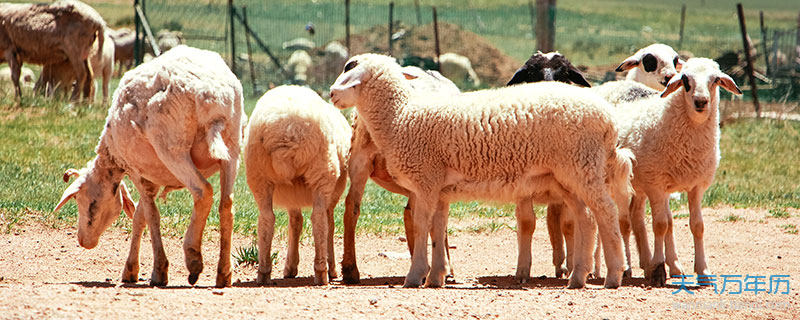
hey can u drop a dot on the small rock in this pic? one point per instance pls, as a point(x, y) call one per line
point(108, 279)
point(779, 257)
point(218, 292)
point(373, 301)
point(2, 278)
point(402, 239)
point(569, 303)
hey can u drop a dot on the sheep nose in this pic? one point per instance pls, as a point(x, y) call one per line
point(700, 104)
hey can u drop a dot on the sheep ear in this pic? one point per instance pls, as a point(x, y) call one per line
point(519, 76)
point(68, 194)
point(680, 64)
point(727, 83)
point(577, 78)
point(628, 64)
point(409, 76)
point(127, 204)
point(674, 84)
point(347, 80)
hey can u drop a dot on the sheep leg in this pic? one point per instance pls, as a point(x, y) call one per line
point(131, 272)
point(622, 200)
point(659, 206)
point(78, 66)
point(670, 252)
point(438, 230)
point(605, 212)
point(423, 204)
point(147, 204)
point(88, 82)
point(359, 173)
point(106, 79)
point(408, 225)
point(637, 211)
point(556, 237)
point(262, 192)
point(697, 226)
point(319, 228)
point(597, 256)
point(293, 245)
point(227, 178)
point(16, 68)
point(526, 223)
point(582, 242)
point(331, 229)
point(567, 225)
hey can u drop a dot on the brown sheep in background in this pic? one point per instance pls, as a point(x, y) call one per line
point(124, 40)
point(47, 34)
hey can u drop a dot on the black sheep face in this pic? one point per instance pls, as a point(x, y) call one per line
point(551, 66)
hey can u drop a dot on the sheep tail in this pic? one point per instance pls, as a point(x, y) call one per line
point(216, 145)
point(620, 171)
point(100, 39)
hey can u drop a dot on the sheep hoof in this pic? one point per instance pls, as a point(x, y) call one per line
point(591, 275)
point(223, 280)
point(290, 273)
point(158, 280)
point(410, 284)
point(627, 274)
point(658, 277)
point(561, 272)
point(130, 274)
point(332, 273)
point(434, 282)
point(194, 263)
point(611, 284)
point(263, 278)
point(575, 284)
point(193, 278)
point(350, 274)
point(320, 278)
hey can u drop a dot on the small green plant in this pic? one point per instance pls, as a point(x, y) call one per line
point(789, 228)
point(779, 213)
point(732, 218)
point(681, 216)
point(248, 256)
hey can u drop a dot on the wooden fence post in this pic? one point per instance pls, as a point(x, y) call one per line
point(683, 21)
point(436, 38)
point(419, 14)
point(764, 42)
point(749, 65)
point(347, 26)
point(391, 26)
point(231, 11)
point(137, 43)
point(545, 25)
point(249, 51)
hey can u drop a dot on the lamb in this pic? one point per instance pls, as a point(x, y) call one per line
point(50, 33)
point(653, 65)
point(124, 42)
point(551, 66)
point(173, 122)
point(298, 65)
point(333, 58)
point(493, 145)
point(167, 39)
point(366, 162)
point(676, 144)
point(60, 76)
point(459, 69)
point(296, 153)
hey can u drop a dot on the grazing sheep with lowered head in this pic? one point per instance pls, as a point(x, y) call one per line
point(296, 154)
point(459, 69)
point(173, 122)
point(494, 145)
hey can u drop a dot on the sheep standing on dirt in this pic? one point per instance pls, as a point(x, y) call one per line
point(366, 162)
point(459, 69)
point(50, 33)
point(676, 144)
point(296, 154)
point(59, 77)
point(173, 122)
point(497, 145)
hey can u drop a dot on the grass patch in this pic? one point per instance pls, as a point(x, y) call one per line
point(681, 216)
point(789, 228)
point(248, 256)
point(732, 218)
point(779, 213)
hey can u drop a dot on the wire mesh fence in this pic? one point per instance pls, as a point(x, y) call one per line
point(496, 37)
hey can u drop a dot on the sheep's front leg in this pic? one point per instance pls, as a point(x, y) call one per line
point(436, 276)
point(423, 206)
point(131, 272)
point(227, 177)
point(623, 200)
point(359, 173)
point(659, 206)
point(637, 212)
point(526, 223)
point(319, 228)
point(697, 226)
point(148, 192)
point(556, 237)
point(293, 245)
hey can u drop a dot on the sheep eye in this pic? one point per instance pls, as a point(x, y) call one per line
point(350, 65)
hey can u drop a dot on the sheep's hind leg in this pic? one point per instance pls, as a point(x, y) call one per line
point(582, 242)
point(262, 192)
point(147, 205)
point(526, 223)
point(436, 276)
point(423, 206)
point(359, 173)
point(319, 228)
point(227, 179)
point(605, 213)
point(331, 229)
point(556, 238)
point(293, 245)
point(636, 213)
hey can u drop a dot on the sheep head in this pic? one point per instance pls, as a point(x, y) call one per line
point(100, 195)
point(658, 64)
point(551, 66)
point(360, 70)
point(700, 78)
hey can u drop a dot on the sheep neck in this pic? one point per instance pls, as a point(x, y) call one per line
point(383, 108)
point(105, 164)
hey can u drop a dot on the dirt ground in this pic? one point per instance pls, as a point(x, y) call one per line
point(46, 274)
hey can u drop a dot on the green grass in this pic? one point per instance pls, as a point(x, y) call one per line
point(732, 218)
point(248, 256)
point(779, 213)
point(789, 228)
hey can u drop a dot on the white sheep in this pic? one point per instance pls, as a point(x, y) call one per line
point(459, 69)
point(653, 65)
point(366, 162)
point(173, 122)
point(333, 58)
point(298, 65)
point(676, 144)
point(519, 144)
point(296, 154)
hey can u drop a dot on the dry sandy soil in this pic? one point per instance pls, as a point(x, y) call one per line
point(45, 274)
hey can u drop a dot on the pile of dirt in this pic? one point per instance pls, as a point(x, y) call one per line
point(492, 66)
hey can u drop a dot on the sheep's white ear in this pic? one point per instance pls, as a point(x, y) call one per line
point(68, 194)
point(348, 79)
point(727, 83)
point(409, 76)
point(127, 204)
point(629, 63)
point(674, 84)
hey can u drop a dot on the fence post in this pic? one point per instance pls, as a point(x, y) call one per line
point(749, 65)
point(249, 51)
point(797, 37)
point(436, 38)
point(137, 43)
point(764, 42)
point(683, 21)
point(391, 26)
point(347, 25)
point(545, 25)
point(231, 10)
point(533, 18)
point(419, 15)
